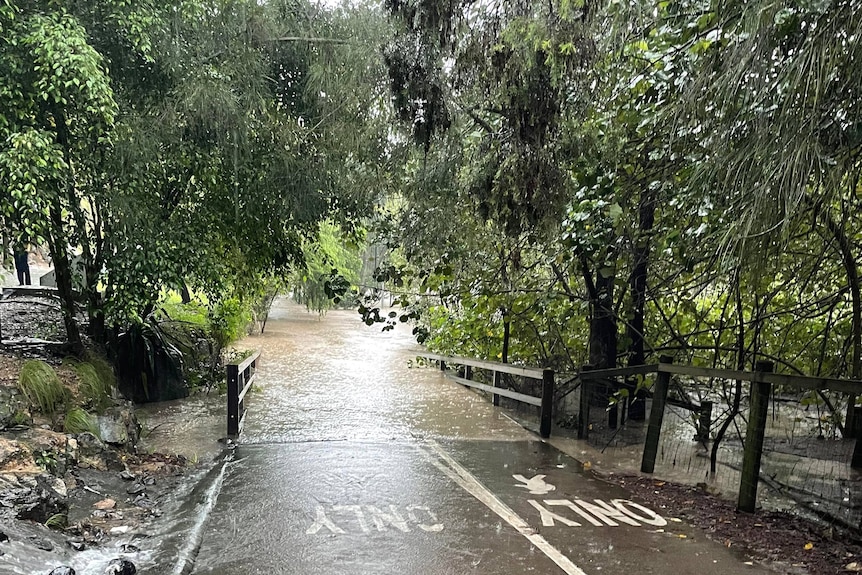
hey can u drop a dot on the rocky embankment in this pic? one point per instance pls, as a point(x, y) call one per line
point(62, 494)
point(66, 495)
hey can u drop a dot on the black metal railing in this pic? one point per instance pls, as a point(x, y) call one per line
point(240, 377)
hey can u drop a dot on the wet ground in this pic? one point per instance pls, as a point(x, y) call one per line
point(352, 461)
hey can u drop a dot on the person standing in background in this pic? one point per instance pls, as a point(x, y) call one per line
point(22, 266)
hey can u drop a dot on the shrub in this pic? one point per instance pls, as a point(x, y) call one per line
point(228, 321)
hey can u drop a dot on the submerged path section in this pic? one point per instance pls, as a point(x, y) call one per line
point(429, 507)
point(355, 462)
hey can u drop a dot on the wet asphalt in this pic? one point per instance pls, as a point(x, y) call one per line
point(354, 461)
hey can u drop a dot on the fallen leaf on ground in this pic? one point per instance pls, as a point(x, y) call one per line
point(808, 546)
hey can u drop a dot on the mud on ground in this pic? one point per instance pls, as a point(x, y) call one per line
point(784, 542)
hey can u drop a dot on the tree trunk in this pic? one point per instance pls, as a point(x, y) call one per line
point(603, 325)
point(638, 285)
point(603, 334)
point(63, 275)
point(845, 250)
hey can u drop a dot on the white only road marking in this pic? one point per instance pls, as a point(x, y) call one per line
point(457, 473)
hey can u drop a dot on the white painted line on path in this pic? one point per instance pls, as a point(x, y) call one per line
point(457, 473)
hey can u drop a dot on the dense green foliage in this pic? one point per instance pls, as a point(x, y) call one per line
point(615, 181)
point(193, 145)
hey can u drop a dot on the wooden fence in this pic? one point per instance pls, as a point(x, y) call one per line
point(762, 380)
point(545, 403)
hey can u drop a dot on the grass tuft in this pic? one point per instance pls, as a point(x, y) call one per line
point(39, 383)
point(57, 521)
point(79, 421)
point(95, 390)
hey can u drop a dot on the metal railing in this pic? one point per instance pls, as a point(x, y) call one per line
point(240, 377)
point(545, 403)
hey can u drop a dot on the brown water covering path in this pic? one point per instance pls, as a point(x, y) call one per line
point(354, 462)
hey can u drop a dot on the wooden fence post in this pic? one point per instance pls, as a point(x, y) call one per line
point(442, 365)
point(656, 417)
point(546, 418)
point(498, 382)
point(856, 460)
point(584, 404)
point(754, 434)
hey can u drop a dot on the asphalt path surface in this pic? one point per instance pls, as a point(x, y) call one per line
point(428, 479)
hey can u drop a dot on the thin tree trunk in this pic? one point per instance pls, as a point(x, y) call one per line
point(845, 250)
point(638, 285)
point(740, 365)
point(63, 275)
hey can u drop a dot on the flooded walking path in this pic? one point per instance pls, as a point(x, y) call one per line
point(355, 461)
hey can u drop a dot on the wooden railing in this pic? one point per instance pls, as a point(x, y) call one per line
point(240, 377)
point(762, 379)
point(545, 403)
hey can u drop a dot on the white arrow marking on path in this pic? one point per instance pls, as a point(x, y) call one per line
point(457, 473)
point(536, 485)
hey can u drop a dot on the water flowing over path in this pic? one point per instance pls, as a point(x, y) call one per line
point(353, 461)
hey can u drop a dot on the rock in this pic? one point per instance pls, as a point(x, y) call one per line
point(38, 502)
point(62, 571)
point(136, 489)
point(119, 426)
point(13, 411)
point(129, 548)
point(16, 458)
point(3, 537)
point(105, 504)
point(119, 530)
point(149, 480)
point(76, 544)
point(127, 475)
point(42, 544)
point(121, 567)
point(94, 454)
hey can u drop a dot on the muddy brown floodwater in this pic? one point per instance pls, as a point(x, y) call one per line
point(353, 460)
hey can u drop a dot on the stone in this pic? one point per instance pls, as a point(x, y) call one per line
point(42, 544)
point(3, 537)
point(119, 426)
point(94, 454)
point(105, 504)
point(136, 489)
point(127, 475)
point(121, 567)
point(77, 544)
point(39, 502)
point(64, 570)
point(13, 410)
point(129, 548)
